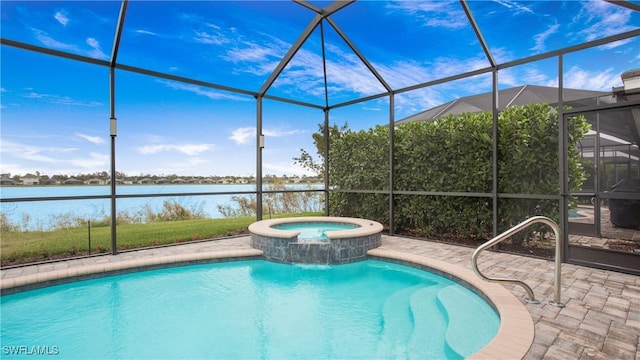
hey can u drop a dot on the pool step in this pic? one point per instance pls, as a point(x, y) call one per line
point(433, 322)
point(397, 326)
point(428, 339)
point(464, 329)
point(414, 326)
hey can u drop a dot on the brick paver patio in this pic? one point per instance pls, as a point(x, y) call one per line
point(601, 319)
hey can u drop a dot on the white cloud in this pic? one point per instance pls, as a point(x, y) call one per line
point(32, 152)
point(369, 108)
point(95, 51)
point(199, 90)
point(187, 149)
point(92, 139)
point(349, 73)
point(258, 57)
point(62, 18)
point(542, 37)
point(252, 52)
point(206, 38)
point(232, 45)
point(243, 135)
point(345, 73)
point(145, 32)
point(577, 78)
point(50, 42)
point(193, 149)
point(603, 19)
point(213, 35)
point(574, 78)
point(406, 73)
point(445, 66)
point(55, 157)
point(615, 44)
point(440, 14)
point(59, 99)
point(281, 133)
point(153, 149)
point(513, 5)
point(532, 76)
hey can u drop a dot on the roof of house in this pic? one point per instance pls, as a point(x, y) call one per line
point(617, 124)
point(521, 95)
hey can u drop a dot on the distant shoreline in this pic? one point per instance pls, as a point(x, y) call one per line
point(315, 182)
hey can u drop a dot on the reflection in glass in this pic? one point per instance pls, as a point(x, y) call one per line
point(610, 152)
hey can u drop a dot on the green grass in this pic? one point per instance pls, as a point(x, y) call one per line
point(21, 247)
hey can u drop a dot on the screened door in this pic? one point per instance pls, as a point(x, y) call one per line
point(603, 213)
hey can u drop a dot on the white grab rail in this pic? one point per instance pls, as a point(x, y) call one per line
point(521, 226)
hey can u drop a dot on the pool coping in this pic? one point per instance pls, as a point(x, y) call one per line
point(61, 276)
point(513, 340)
point(367, 227)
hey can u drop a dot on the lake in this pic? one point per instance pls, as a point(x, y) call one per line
point(35, 215)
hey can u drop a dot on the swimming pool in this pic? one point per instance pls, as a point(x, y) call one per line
point(254, 309)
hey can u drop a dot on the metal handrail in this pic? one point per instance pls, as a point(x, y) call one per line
point(521, 226)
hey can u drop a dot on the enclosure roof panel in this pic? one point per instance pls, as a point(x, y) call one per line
point(321, 52)
point(84, 28)
point(519, 29)
point(411, 42)
point(235, 44)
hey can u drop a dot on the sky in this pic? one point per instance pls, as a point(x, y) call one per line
point(55, 111)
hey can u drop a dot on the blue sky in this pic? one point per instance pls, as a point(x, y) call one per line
point(55, 112)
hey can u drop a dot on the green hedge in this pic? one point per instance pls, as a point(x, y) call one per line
point(454, 154)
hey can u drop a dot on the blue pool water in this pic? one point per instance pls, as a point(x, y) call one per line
point(314, 230)
point(573, 213)
point(252, 310)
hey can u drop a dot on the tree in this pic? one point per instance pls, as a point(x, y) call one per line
point(307, 161)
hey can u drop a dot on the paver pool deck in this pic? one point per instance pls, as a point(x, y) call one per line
point(601, 319)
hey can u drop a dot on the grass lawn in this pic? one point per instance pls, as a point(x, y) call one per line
point(32, 246)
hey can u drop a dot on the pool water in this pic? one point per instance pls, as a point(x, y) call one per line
point(253, 310)
point(314, 230)
point(573, 213)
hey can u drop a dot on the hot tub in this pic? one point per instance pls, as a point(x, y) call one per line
point(331, 246)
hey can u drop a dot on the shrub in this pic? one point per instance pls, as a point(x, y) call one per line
point(276, 201)
point(452, 155)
